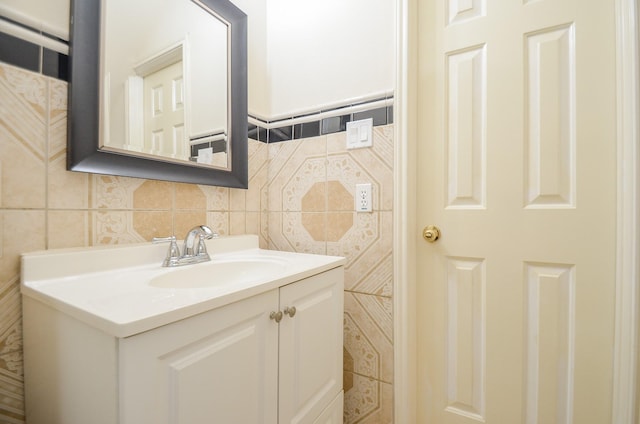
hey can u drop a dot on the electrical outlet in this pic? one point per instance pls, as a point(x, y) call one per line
point(363, 198)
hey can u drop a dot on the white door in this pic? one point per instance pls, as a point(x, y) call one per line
point(164, 112)
point(517, 168)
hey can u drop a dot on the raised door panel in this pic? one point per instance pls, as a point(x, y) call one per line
point(164, 114)
point(311, 346)
point(221, 364)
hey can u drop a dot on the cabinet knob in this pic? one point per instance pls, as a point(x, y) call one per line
point(291, 311)
point(276, 316)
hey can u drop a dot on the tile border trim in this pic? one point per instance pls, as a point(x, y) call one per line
point(323, 121)
point(34, 50)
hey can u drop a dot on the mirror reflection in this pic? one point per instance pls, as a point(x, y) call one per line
point(164, 84)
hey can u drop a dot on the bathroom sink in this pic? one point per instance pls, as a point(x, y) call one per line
point(221, 272)
point(125, 290)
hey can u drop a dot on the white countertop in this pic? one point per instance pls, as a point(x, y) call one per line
point(110, 287)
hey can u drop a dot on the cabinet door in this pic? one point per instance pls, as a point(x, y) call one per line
point(219, 366)
point(333, 414)
point(311, 346)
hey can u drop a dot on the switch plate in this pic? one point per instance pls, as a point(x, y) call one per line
point(363, 198)
point(360, 133)
point(205, 155)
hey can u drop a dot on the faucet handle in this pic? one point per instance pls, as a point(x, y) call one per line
point(173, 254)
point(201, 249)
point(157, 240)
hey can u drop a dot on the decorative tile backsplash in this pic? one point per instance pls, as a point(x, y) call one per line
point(300, 198)
point(311, 209)
point(314, 124)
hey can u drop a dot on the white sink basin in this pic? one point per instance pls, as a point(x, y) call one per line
point(232, 271)
point(124, 290)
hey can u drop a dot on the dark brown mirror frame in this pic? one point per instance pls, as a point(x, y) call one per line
point(83, 152)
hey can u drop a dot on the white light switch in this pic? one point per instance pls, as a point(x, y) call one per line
point(360, 133)
point(364, 134)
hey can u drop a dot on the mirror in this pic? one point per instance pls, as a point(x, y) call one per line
point(158, 90)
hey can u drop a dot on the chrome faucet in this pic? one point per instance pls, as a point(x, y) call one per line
point(194, 249)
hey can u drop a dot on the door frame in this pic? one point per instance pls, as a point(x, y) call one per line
point(627, 308)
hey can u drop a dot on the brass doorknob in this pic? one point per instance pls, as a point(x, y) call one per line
point(431, 233)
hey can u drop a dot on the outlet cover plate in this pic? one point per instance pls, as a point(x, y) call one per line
point(363, 202)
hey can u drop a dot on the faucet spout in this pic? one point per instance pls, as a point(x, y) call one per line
point(194, 241)
point(194, 250)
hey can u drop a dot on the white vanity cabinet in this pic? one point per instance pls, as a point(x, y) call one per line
point(232, 365)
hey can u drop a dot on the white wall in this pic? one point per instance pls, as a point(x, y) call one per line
point(258, 79)
point(327, 51)
point(303, 54)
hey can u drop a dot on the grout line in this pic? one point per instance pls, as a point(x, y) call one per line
point(367, 376)
point(47, 162)
point(368, 294)
point(90, 218)
point(173, 209)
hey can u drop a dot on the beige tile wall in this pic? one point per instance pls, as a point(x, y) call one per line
point(311, 209)
point(300, 198)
